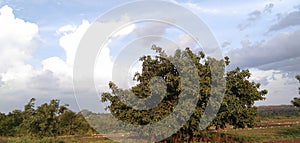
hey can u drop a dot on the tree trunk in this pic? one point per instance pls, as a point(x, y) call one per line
point(175, 138)
point(190, 137)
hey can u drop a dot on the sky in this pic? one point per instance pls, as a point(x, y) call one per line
point(39, 39)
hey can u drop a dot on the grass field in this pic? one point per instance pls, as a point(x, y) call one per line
point(290, 133)
point(72, 139)
point(271, 129)
point(274, 129)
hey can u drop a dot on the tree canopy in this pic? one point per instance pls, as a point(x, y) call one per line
point(296, 100)
point(236, 109)
point(47, 120)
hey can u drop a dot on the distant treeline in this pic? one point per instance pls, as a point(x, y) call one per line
point(52, 119)
point(47, 120)
point(278, 110)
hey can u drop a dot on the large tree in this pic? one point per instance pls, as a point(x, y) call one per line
point(296, 101)
point(236, 109)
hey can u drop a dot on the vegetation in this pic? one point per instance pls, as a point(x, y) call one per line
point(236, 121)
point(60, 139)
point(286, 110)
point(296, 101)
point(283, 134)
point(47, 120)
point(236, 109)
point(269, 128)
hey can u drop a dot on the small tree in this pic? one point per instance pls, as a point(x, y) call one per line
point(42, 121)
point(296, 101)
point(27, 125)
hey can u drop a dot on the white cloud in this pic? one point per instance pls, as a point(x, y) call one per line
point(18, 38)
point(185, 40)
point(196, 7)
point(22, 72)
point(71, 35)
point(125, 31)
point(281, 88)
point(103, 70)
point(59, 67)
point(70, 40)
point(21, 80)
point(62, 69)
point(66, 29)
point(264, 77)
point(282, 47)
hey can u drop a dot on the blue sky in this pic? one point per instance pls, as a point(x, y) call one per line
point(39, 39)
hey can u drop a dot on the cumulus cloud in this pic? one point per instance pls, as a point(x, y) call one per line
point(288, 65)
point(282, 47)
point(262, 76)
point(20, 72)
point(57, 66)
point(71, 38)
point(18, 39)
point(38, 81)
point(103, 70)
point(106, 59)
point(185, 40)
point(71, 35)
point(281, 88)
point(62, 69)
point(291, 19)
point(21, 80)
point(151, 28)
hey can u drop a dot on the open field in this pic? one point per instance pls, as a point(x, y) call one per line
point(271, 130)
point(71, 139)
point(276, 124)
point(276, 129)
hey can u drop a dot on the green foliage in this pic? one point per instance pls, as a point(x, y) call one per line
point(71, 123)
point(296, 101)
point(9, 123)
point(102, 122)
point(47, 120)
point(42, 121)
point(236, 109)
point(281, 110)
